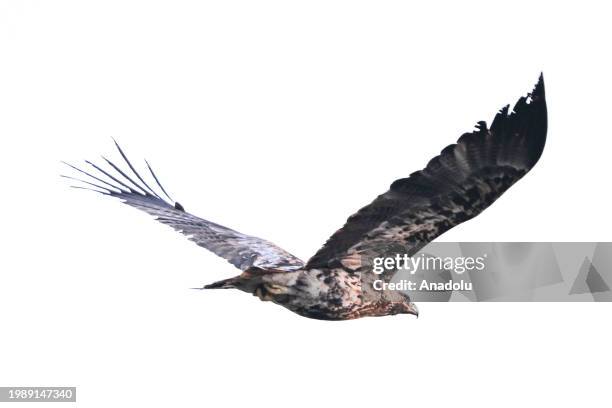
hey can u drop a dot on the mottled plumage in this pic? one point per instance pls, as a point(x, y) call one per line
point(336, 283)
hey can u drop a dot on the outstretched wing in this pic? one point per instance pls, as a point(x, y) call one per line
point(242, 251)
point(455, 186)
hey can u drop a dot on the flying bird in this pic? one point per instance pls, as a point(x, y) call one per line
point(337, 282)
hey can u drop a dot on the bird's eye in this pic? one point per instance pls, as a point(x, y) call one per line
point(274, 289)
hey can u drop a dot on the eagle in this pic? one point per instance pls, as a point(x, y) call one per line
point(336, 283)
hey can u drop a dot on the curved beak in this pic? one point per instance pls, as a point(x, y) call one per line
point(411, 308)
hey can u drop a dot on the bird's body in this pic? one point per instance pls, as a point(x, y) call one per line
point(326, 294)
point(337, 282)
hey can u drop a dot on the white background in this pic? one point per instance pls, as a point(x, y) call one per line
point(280, 119)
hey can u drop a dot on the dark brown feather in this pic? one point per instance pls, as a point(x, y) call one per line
point(455, 186)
